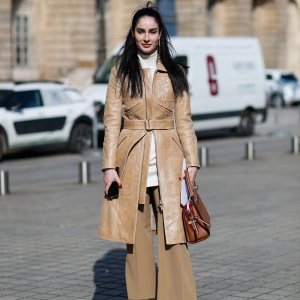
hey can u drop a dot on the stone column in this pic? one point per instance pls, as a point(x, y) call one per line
point(118, 17)
point(269, 25)
point(229, 18)
point(191, 17)
point(5, 40)
point(293, 41)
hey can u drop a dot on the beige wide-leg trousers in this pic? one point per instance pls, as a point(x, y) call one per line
point(175, 275)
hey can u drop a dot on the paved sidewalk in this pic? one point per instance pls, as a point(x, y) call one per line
point(49, 249)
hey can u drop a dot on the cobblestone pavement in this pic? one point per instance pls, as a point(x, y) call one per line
point(49, 248)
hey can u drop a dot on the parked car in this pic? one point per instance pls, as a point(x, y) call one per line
point(282, 87)
point(226, 77)
point(35, 114)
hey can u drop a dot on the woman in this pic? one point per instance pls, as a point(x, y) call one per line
point(148, 134)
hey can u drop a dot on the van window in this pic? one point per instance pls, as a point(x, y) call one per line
point(269, 77)
point(103, 72)
point(182, 60)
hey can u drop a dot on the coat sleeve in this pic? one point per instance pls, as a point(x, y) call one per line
point(112, 121)
point(185, 130)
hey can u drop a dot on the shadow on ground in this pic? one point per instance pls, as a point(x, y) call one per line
point(109, 276)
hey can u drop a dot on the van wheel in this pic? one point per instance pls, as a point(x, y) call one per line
point(81, 138)
point(246, 127)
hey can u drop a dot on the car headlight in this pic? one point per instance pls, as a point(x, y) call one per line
point(99, 110)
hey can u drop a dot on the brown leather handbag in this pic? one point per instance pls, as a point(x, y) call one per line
point(196, 219)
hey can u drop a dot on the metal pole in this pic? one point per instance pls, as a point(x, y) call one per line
point(84, 172)
point(95, 132)
point(204, 156)
point(4, 183)
point(250, 151)
point(295, 144)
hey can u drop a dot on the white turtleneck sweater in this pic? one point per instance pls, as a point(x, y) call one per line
point(149, 62)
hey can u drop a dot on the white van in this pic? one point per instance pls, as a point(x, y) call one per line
point(227, 78)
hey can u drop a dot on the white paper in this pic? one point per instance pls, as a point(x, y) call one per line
point(184, 189)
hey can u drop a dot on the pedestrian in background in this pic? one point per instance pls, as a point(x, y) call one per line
point(148, 134)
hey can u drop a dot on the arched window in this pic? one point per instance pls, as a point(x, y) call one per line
point(168, 12)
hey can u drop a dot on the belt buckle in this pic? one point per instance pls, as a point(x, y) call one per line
point(147, 125)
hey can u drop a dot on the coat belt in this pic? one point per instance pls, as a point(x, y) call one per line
point(149, 124)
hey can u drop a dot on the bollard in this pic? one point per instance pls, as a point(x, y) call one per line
point(250, 151)
point(4, 183)
point(84, 172)
point(204, 156)
point(295, 144)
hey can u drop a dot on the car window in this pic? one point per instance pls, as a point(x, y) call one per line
point(289, 77)
point(55, 97)
point(103, 72)
point(5, 96)
point(26, 99)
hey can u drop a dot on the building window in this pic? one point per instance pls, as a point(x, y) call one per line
point(21, 40)
point(168, 13)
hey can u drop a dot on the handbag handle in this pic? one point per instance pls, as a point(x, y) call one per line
point(189, 184)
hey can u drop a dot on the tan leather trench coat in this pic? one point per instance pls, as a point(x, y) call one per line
point(128, 123)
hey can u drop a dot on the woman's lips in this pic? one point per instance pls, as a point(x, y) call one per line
point(146, 45)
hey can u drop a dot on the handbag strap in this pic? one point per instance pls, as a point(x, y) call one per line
point(189, 184)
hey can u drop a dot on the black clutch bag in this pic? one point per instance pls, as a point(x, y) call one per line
point(113, 191)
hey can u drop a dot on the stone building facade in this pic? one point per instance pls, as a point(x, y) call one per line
point(67, 39)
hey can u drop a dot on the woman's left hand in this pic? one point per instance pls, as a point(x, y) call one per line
point(192, 172)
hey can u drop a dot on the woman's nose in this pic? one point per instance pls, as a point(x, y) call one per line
point(146, 38)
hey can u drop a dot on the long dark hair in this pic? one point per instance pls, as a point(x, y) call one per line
point(129, 70)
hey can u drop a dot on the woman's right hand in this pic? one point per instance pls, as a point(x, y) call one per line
point(110, 175)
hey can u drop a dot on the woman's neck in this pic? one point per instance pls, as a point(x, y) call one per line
point(147, 60)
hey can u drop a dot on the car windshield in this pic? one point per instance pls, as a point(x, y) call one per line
point(289, 77)
point(103, 72)
point(4, 96)
point(73, 94)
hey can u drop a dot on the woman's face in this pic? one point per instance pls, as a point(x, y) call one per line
point(146, 35)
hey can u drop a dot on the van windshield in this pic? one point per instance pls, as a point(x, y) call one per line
point(103, 72)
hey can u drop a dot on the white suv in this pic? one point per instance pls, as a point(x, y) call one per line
point(33, 114)
point(282, 87)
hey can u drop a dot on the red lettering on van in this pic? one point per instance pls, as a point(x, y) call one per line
point(212, 75)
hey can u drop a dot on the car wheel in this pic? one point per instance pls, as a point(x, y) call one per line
point(246, 126)
point(277, 98)
point(81, 138)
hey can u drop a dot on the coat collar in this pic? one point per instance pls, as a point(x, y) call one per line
point(160, 67)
